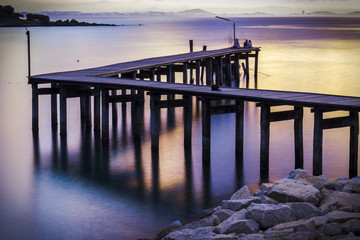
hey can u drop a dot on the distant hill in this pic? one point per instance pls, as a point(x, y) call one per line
point(323, 13)
point(355, 13)
point(194, 12)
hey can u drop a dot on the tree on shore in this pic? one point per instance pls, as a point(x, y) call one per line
point(8, 12)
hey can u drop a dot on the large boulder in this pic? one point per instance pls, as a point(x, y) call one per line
point(240, 215)
point(340, 216)
point(236, 205)
point(295, 191)
point(243, 193)
point(242, 226)
point(268, 215)
point(189, 234)
point(303, 223)
point(340, 199)
point(303, 210)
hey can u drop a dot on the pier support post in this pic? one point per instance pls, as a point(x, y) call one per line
point(265, 136)
point(237, 69)
point(239, 134)
point(206, 130)
point(63, 111)
point(256, 68)
point(35, 107)
point(187, 120)
point(318, 138)
point(138, 114)
point(197, 72)
point(54, 109)
point(123, 104)
point(105, 114)
point(155, 120)
point(298, 134)
point(209, 72)
point(354, 143)
point(185, 73)
point(97, 110)
point(114, 108)
point(247, 70)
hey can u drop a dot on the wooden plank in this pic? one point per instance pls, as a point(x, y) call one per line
point(172, 103)
point(337, 122)
point(282, 116)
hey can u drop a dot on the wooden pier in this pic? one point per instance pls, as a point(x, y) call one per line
point(202, 73)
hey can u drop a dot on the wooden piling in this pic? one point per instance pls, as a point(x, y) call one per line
point(35, 107)
point(317, 142)
point(114, 108)
point(247, 70)
point(256, 68)
point(63, 111)
point(209, 72)
point(206, 130)
point(236, 69)
point(298, 134)
point(187, 120)
point(197, 72)
point(239, 132)
point(265, 136)
point(54, 108)
point(155, 119)
point(228, 70)
point(105, 114)
point(191, 43)
point(354, 143)
point(97, 110)
point(185, 73)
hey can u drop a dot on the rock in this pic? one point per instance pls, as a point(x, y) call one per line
point(236, 205)
point(293, 173)
point(268, 200)
point(253, 236)
point(342, 178)
point(174, 225)
point(351, 226)
point(313, 180)
point(339, 216)
point(303, 210)
point(340, 199)
point(303, 235)
point(320, 220)
point(357, 177)
point(268, 215)
point(330, 229)
point(242, 226)
point(278, 233)
point(308, 224)
point(205, 222)
point(222, 215)
point(266, 187)
point(295, 191)
point(243, 193)
point(258, 193)
point(224, 237)
point(189, 234)
point(209, 211)
point(352, 186)
point(240, 215)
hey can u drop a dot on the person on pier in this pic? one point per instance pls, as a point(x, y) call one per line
point(246, 43)
point(249, 44)
point(236, 43)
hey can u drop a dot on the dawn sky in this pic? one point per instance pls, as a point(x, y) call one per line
point(216, 6)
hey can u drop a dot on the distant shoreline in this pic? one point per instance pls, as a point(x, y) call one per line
point(25, 23)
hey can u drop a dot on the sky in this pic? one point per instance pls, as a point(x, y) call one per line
point(215, 6)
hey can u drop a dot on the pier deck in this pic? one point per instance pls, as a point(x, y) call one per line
point(220, 66)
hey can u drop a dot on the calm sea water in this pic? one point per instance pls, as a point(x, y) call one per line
point(67, 188)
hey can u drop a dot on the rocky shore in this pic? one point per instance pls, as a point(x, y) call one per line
point(300, 206)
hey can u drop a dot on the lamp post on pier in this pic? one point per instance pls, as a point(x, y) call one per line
point(228, 21)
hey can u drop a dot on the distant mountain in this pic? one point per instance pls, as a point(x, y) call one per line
point(194, 12)
point(355, 13)
point(326, 13)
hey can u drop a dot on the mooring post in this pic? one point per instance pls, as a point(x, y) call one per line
point(354, 143)
point(35, 107)
point(187, 120)
point(247, 70)
point(298, 134)
point(239, 132)
point(63, 111)
point(265, 136)
point(318, 139)
point(97, 110)
point(191, 43)
point(105, 114)
point(155, 119)
point(206, 130)
point(54, 108)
